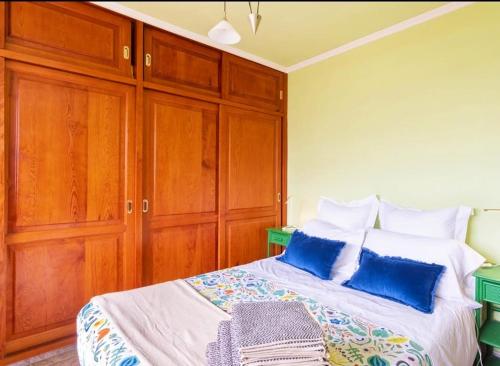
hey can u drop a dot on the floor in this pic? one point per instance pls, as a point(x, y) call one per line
point(65, 356)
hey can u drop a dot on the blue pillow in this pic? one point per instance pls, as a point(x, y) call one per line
point(402, 280)
point(311, 254)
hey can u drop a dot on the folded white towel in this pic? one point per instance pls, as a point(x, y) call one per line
point(314, 351)
point(295, 343)
point(295, 361)
point(278, 346)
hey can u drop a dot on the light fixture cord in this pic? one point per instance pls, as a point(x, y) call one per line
point(225, 14)
point(250, 6)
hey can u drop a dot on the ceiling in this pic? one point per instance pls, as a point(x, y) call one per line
point(290, 32)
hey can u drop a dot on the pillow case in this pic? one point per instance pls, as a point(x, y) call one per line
point(402, 280)
point(311, 254)
point(446, 223)
point(458, 258)
point(347, 262)
point(354, 215)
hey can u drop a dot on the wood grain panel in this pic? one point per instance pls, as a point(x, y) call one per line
point(183, 148)
point(47, 284)
point(72, 143)
point(247, 239)
point(180, 182)
point(139, 137)
point(72, 32)
point(3, 206)
point(50, 128)
point(250, 179)
point(176, 61)
point(183, 251)
point(253, 147)
point(68, 156)
point(69, 67)
point(250, 83)
point(208, 98)
point(2, 24)
point(103, 265)
point(105, 157)
point(18, 349)
point(284, 154)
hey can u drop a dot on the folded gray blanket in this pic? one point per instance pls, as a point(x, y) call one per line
point(220, 353)
point(213, 355)
point(268, 334)
point(258, 323)
point(224, 342)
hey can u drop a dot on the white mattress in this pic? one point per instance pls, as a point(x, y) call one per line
point(171, 324)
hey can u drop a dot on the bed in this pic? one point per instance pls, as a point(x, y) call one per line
point(171, 323)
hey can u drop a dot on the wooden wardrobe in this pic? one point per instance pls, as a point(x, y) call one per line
point(128, 156)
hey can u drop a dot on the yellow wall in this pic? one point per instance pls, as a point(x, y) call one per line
point(414, 118)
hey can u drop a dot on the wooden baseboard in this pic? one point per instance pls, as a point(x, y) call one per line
point(34, 351)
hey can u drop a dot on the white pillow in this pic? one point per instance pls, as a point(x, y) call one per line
point(354, 215)
point(459, 259)
point(347, 262)
point(446, 223)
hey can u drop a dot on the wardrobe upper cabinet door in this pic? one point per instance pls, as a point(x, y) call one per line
point(72, 32)
point(178, 62)
point(250, 83)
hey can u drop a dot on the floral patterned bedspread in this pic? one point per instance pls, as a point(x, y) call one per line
point(98, 341)
point(351, 341)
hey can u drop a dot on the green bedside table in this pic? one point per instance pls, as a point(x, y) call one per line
point(488, 294)
point(276, 235)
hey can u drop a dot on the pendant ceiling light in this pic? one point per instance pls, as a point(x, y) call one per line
point(254, 18)
point(223, 32)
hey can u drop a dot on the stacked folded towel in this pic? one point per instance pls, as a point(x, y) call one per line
point(268, 334)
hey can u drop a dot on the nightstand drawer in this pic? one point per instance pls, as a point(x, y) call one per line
point(278, 238)
point(491, 292)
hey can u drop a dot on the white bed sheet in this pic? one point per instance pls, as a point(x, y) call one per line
point(171, 324)
point(448, 334)
point(165, 324)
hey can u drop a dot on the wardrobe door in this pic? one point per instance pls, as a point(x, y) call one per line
point(69, 236)
point(180, 186)
point(181, 63)
point(71, 32)
point(253, 84)
point(251, 181)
